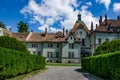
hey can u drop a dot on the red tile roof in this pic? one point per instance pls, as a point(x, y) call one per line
point(110, 24)
point(21, 36)
point(76, 27)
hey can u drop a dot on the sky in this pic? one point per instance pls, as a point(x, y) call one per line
point(55, 14)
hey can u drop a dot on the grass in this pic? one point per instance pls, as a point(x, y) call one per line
point(63, 64)
point(21, 77)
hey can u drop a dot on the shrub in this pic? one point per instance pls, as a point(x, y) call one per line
point(108, 47)
point(13, 63)
point(106, 65)
point(12, 43)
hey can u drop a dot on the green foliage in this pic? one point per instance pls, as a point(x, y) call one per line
point(106, 65)
point(2, 25)
point(12, 43)
point(22, 27)
point(108, 47)
point(14, 62)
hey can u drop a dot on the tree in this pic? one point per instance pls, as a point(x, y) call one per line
point(12, 43)
point(2, 25)
point(22, 27)
point(108, 47)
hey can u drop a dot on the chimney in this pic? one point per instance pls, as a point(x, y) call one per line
point(66, 31)
point(91, 26)
point(31, 30)
point(100, 20)
point(10, 29)
point(96, 25)
point(63, 31)
point(118, 18)
point(45, 30)
point(105, 19)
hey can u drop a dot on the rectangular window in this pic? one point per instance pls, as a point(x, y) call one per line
point(107, 40)
point(83, 42)
point(71, 46)
point(70, 54)
point(34, 45)
point(57, 45)
point(50, 45)
point(39, 53)
point(51, 55)
point(47, 54)
point(99, 41)
point(57, 54)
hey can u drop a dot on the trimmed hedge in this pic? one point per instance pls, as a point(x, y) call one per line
point(12, 43)
point(108, 47)
point(106, 65)
point(13, 63)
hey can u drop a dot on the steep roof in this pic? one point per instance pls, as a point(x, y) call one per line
point(110, 24)
point(41, 37)
point(76, 26)
point(49, 37)
point(21, 36)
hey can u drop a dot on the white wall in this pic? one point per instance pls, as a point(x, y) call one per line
point(1, 32)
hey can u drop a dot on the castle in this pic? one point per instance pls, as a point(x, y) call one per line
point(70, 47)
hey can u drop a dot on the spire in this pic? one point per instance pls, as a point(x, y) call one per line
point(79, 18)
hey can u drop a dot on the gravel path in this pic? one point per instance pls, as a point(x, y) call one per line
point(62, 73)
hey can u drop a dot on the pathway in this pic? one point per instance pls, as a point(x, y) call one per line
point(62, 73)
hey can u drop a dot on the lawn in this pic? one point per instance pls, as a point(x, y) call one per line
point(63, 64)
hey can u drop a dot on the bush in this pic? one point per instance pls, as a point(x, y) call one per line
point(106, 65)
point(13, 63)
point(12, 43)
point(108, 47)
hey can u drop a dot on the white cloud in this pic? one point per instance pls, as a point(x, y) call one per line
point(116, 7)
point(89, 3)
point(8, 27)
point(47, 12)
point(88, 17)
point(105, 2)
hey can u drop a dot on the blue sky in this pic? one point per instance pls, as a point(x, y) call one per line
point(55, 14)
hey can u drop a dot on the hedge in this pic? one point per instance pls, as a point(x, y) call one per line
point(13, 63)
point(12, 43)
point(106, 65)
